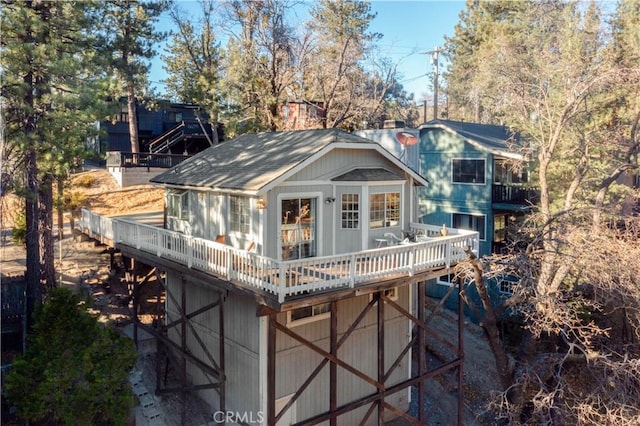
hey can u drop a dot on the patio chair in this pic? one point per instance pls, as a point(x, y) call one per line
point(393, 239)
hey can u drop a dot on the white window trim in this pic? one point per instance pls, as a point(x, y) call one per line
point(309, 319)
point(484, 161)
point(248, 200)
point(400, 209)
point(180, 194)
point(358, 211)
point(319, 218)
point(445, 283)
point(512, 284)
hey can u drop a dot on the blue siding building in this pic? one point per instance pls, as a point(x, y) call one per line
point(478, 179)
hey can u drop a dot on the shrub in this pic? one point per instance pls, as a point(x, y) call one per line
point(84, 181)
point(74, 370)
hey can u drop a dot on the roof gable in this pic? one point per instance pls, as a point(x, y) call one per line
point(256, 162)
point(488, 138)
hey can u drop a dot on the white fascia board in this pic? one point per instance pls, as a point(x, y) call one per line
point(369, 183)
point(208, 189)
point(498, 152)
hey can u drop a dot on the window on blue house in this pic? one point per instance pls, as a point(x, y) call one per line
point(470, 222)
point(506, 172)
point(467, 170)
point(507, 285)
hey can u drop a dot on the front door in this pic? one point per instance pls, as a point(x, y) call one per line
point(298, 228)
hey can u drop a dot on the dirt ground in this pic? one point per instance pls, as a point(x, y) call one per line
point(85, 265)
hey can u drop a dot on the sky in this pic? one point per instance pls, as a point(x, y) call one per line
point(409, 28)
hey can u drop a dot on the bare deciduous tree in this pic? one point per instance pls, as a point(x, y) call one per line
point(577, 297)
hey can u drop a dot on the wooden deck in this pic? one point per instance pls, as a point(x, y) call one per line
point(283, 279)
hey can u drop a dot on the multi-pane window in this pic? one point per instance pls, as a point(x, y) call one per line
point(239, 211)
point(350, 211)
point(470, 223)
point(507, 284)
point(178, 205)
point(298, 228)
point(499, 228)
point(309, 313)
point(384, 210)
point(467, 170)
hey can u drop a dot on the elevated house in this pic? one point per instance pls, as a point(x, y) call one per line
point(286, 298)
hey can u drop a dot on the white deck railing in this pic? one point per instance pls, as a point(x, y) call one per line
point(300, 275)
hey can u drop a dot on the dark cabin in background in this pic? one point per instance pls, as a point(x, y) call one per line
point(163, 128)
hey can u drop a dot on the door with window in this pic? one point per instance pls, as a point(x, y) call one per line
point(298, 228)
point(348, 230)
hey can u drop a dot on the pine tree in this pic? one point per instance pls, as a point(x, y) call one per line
point(128, 36)
point(193, 61)
point(74, 370)
point(44, 59)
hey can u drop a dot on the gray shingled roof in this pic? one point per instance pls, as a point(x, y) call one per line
point(251, 161)
point(487, 137)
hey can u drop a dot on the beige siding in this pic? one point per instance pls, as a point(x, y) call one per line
point(241, 338)
point(326, 217)
point(340, 161)
point(198, 203)
point(296, 362)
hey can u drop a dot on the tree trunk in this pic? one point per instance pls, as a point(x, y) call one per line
point(490, 325)
point(47, 273)
point(133, 121)
point(32, 275)
point(59, 207)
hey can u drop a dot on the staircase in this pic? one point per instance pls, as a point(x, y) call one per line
point(165, 141)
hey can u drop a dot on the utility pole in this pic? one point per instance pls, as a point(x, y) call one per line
point(434, 61)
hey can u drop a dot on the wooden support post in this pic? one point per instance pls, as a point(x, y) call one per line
point(271, 370)
point(223, 377)
point(422, 363)
point(381, 348)
point(333, 368)
point(183, 344)
point(460, 353)
point(159, 345)
point(136, 302)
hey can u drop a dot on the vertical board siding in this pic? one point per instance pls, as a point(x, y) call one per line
point(241, 343)
point(340, 161)
point(295, 362)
